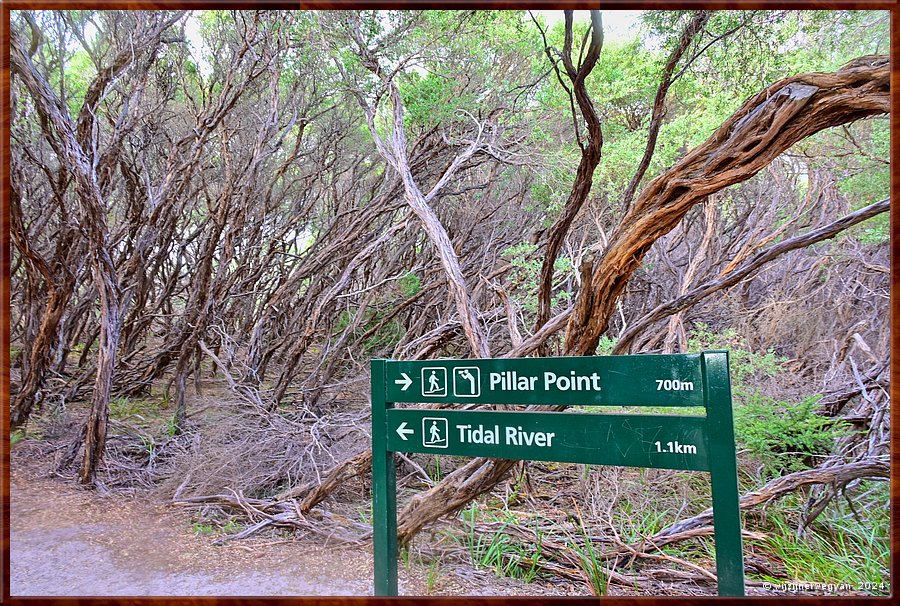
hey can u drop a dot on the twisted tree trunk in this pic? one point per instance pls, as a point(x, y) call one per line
point(75, 149)
point(764, 127)
point(590, 155)
point(59, 275)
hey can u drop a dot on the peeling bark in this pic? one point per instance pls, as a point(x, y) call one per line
point(764, 127)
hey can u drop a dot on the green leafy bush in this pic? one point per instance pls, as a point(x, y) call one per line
point(841, 547)
point(410, 284)
point(747, 367)
point(525, 274)
point(605, 346)
point(785, 436)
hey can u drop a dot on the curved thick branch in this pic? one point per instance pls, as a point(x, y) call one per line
point(763, 128)
point(839, 474)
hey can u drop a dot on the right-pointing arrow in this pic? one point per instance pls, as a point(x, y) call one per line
point(405, 382)
point(403, 431)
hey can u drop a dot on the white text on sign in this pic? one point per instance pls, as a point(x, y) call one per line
point(513, 436)
point(510, 380)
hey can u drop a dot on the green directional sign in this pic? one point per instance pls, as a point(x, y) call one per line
point(698, 443)
point(671, 380)
point(658, 441)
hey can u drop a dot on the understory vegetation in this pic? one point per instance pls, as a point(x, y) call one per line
point(219, 217)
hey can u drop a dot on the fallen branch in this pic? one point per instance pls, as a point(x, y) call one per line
point(832, 402)
point(286, 514)
point(314, 492)
point(841, 474)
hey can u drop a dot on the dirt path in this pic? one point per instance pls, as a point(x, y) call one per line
point(65, 541)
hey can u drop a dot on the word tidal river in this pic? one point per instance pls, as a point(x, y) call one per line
point(514, 436)
point(510, 380)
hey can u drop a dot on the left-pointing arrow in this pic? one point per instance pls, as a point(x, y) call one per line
point(405, 382)
point(403, 431)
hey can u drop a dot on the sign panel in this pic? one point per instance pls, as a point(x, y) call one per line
point(663, 380)
point(657, 441)
point(699, 443)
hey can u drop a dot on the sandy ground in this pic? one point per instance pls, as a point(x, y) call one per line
point(66, 541)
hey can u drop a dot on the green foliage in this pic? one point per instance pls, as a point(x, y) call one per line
point(435, 469)
point(206, 527)
point(596, 575)
point(404, 557)
point(144, 414)
point(500, 551)
point(171, 426)
point(526, 271)
point(785, 436)
point(203, 528)
point(624, 85)
point(79, 72)
point(148, 444)
point(123, 408)
point(637, 522)
point(625, 81)
point(858, 158)
point(16, 437)
point(78, 348)
point(747, 366)
point(829, 39)
point(877, 231)
point(870, 181)
point(232, 526)
point(839, 548)
point(605, 346)
point(549, 192)
point(494, 553)
point(432, 572)
point(740, 64)
point(432, 576)
point(410, 284)
point(743, 62)
point(431, 100)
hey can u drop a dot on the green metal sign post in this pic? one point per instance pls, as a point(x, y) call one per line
point(696, 443)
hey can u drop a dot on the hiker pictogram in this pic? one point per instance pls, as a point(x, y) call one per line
point(434, 432)
point(434, 381)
